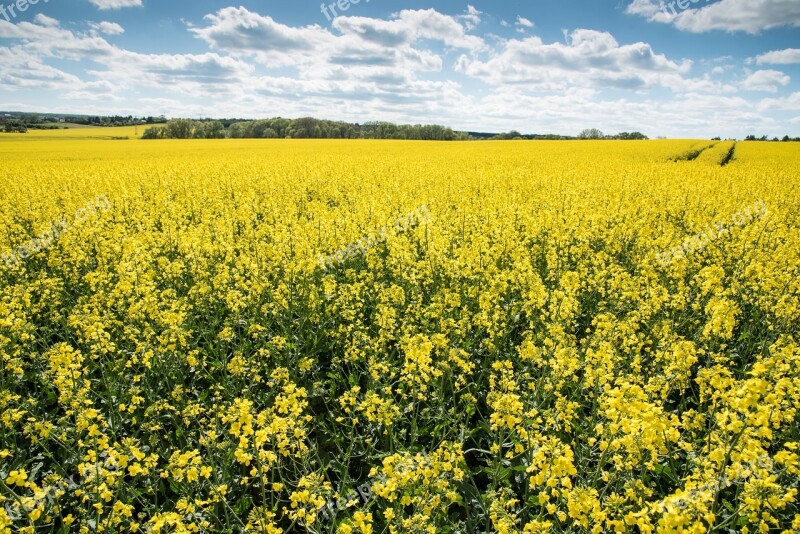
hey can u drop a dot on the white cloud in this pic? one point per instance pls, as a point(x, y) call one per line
point(93, 91)
point(784, 104)
point(750, 16)
point(652, 10)
point(472, 18)
point(430, 24)
point(44, 20)
point(522, 21)
point(108, 28)
point(589, 59)
point(128, 69)
point(407, 28)
point(239, 30)
point(780, 57)
point(364, 55)
point(115, 4)
point(19, 69)
point(331, 69)
point(766, 80)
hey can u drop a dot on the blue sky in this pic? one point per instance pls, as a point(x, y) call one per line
point(689, 69)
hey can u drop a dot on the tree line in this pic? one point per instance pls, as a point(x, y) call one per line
point(303, 128)
point(589, 133)
point(22, 122)
point(594, 133)
point(785, 139)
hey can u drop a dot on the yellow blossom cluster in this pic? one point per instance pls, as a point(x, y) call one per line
point(519, 360)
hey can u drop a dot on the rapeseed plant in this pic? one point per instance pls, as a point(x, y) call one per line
point(518, 360)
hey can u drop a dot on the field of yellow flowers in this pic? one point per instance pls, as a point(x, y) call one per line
point(403, 337)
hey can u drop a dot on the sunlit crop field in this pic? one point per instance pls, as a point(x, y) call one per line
point(384, 336)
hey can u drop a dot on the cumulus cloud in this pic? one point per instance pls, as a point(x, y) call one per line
point(644, 8)
point(356, 51)
point(780, 57)
point(239, 30)
point(115, 4)
point(784, 104)
point(750, 16)
point(44, 20)
point(522, 21)
point(19, 69)
point(107, 28)
point(766, 80)
point(430, 24)
point(128, 69)
point(98, 90)
point(590, 58)
point(346, 67)
point(471, 18)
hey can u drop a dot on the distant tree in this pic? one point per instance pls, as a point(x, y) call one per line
point(507, 136)
point(155, 132)
point(236, 130)
point(30, 118)
point(15, 126)
point(179, 129)
point(591, 133)
point(215, 130)
point(209, 130)
point(630, 136)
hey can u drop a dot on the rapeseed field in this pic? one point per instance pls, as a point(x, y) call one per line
point(384, 336)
